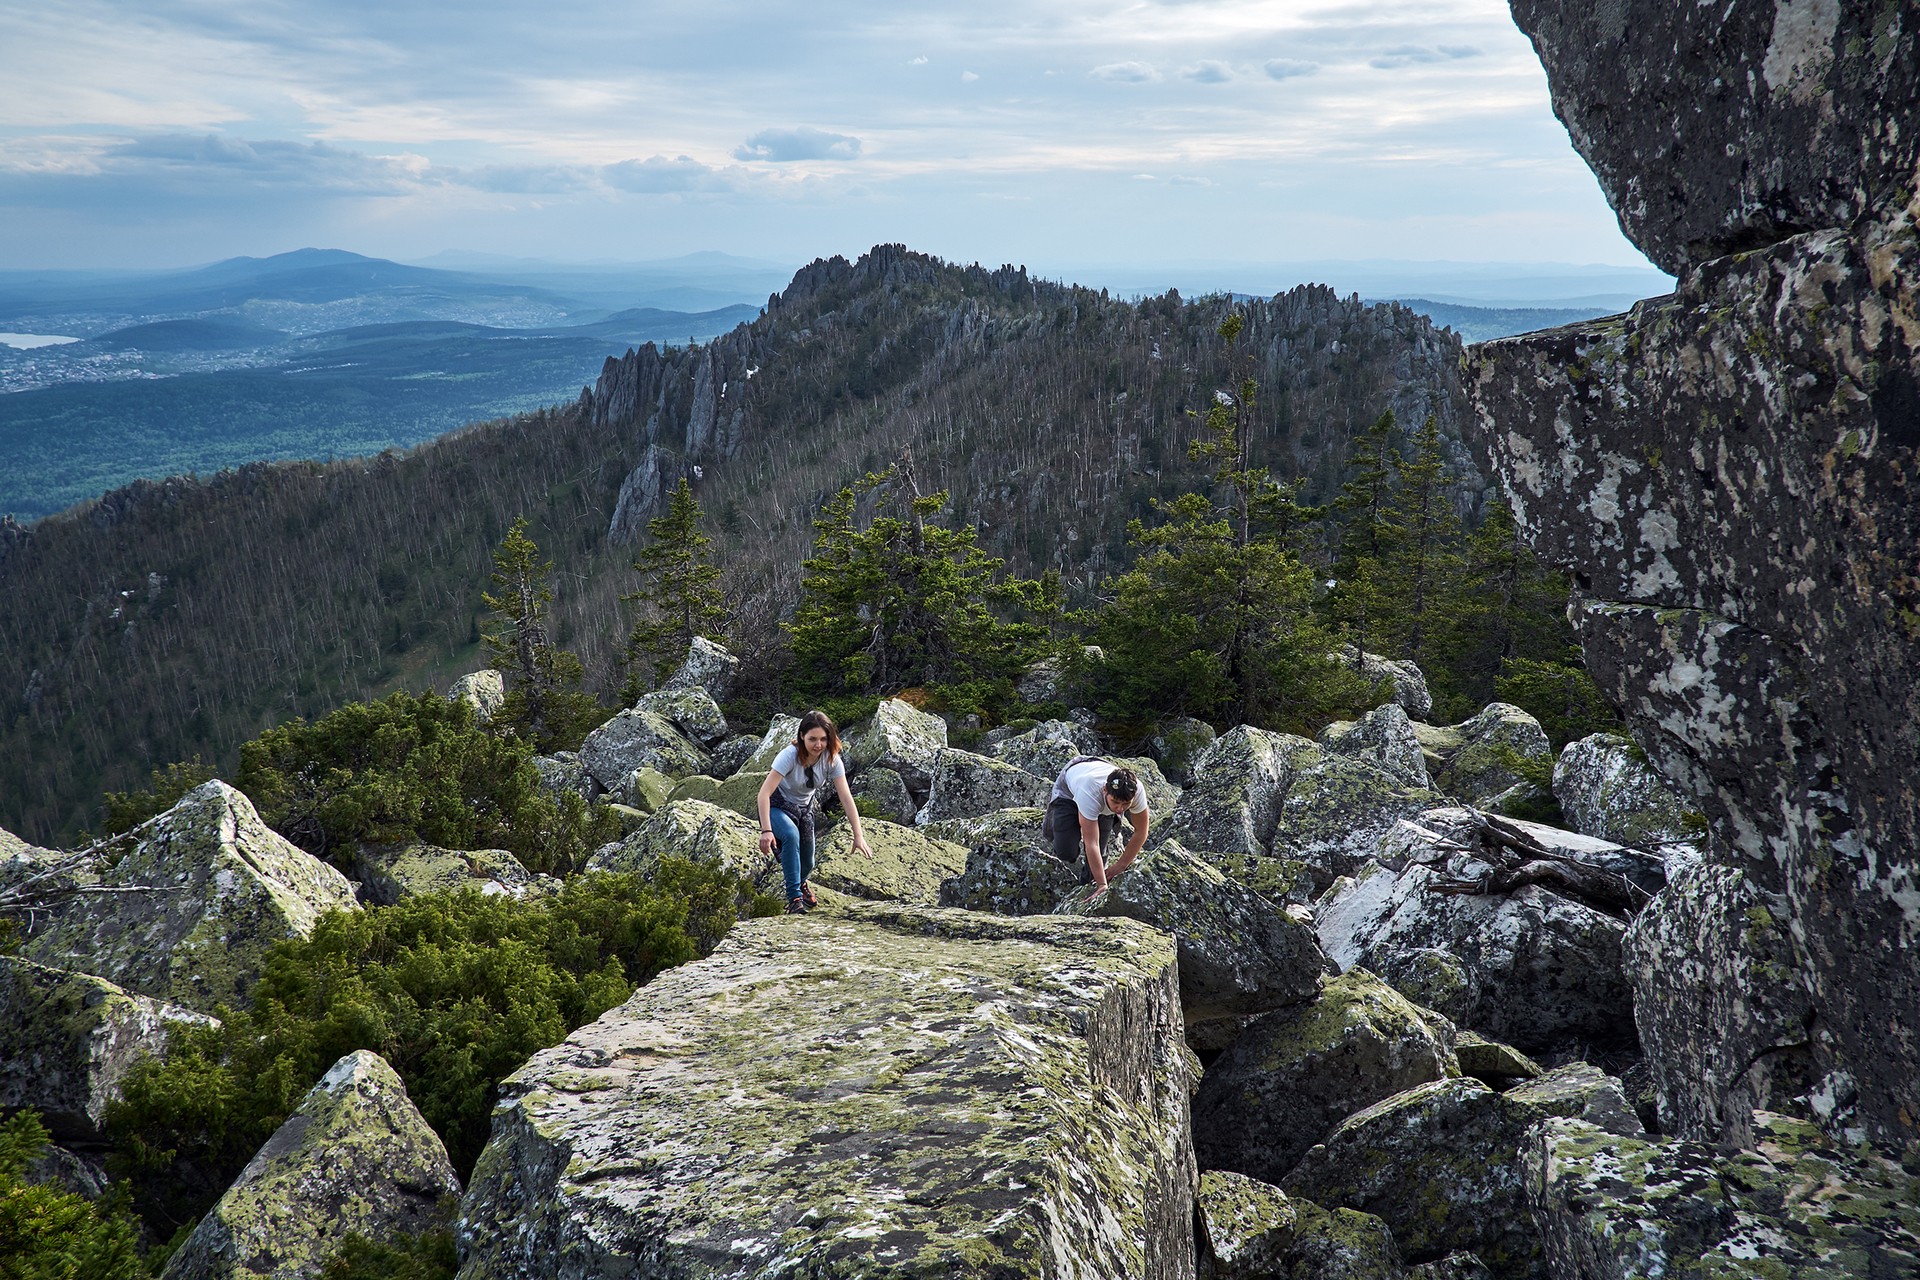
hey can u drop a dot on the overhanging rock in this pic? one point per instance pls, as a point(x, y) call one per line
point(888, 1092)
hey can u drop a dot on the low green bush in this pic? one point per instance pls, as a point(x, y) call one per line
point(454, 990)
point(47, 1233)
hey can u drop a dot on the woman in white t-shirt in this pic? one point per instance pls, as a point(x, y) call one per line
point(787, 803)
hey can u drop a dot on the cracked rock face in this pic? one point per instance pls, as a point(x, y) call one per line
point(356, 1158)
point(1008, 870)
point(639, 738)
point(1384, 738)
point(1720, 128)
point(966, 785)
point(888, 1092)
point(1607, 789)
point(899, 737)
point(194, 905)
point(1729, 474)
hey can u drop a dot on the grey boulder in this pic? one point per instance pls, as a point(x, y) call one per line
point(1499, 752)
point(1606, 788)
point(965, 785)
point(1248, 1230)
point(635, 739)
point(1009, 871)
point(355, 1159)
point(707, 666)
point(881, 1092)
point(899, 737)
point(484, 691)
point(1406, 683)
point(1045, 749)
point(1383, 738)
point(691, 710)
point(1178, 743)
point(389, 874)
point(562, 774)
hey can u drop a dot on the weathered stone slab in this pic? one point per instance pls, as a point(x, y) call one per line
point(484, 691)
point(1718, 129)
point(1406, 684)
point(907, 866)
point(691, 709)
point(389, 874)
point(1239, 954)
point(68, 1040)
point(886, 795)
point(1487, 770)
point(1623, 1208)
point(1292, 1076)
point(1383, 738)
point(707, 666)
point(1730, 473)
point(1009, 871)
point(1044, 750)
point(1607, 789)
point(1177, 744)
point(1234, 800)
point(698, 832)
point(195, 905)
point(637, 739)
point(781, 731)
point(732, 755)
point(889, 1092)
point(1337, 810)
point(966, 785)
point(355, 1159)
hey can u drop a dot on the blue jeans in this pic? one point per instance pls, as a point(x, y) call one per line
point(796, 848)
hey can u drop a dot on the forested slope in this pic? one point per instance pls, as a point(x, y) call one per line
point(173, 619)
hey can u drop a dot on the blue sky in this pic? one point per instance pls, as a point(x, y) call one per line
point(142, 133)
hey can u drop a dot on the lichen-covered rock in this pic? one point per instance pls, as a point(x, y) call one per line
point(1542, 969)
point(886, 793)
point(639, 739)
point(1044, 749)
point(1624, 1208)
point(1452, 824)
point(388, 874)
point(1234, 800)
point(697, 832)
point(629, 818)
point(739, 794)
point(1337, 809)
point(781, 731)
point(1295, 1074)
point(1248, 1230)
point(885, 1092)
point(1607, 789)
point(1177, 744)
point(1499, 748)
point(1047, 680)
point(194, 906)
point(901, 738)
point(484, 691)
point(67, 1041)
point(1429, 976)
point(1716, 130)
point(645, 789)
point(357, 1158)
point(732, 755)
point(907, 865)
point(966, 785)
point(1441, 1163)
point(1383, 738)
point(1406, 683)
point(1009, 872)
point(692, 711)
point(562, 772)
point(1489, 1060)
point(1730, 473)
point(1721, 1003)
point(1239, 954)
point(707, 666)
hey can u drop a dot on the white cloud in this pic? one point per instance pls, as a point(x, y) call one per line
point(1208, 71)
point(968, 77)
point(1410, 54)
point(920, 61)
point(657, 174)
point(803, 143)
point(1288, 68)
point(1125, 72)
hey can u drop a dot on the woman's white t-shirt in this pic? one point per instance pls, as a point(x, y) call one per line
point(793, 774)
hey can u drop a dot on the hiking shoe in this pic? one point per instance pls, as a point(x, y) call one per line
point(806, 894)
point(797, 907)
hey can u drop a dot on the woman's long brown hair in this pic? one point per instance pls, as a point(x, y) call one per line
point(809, 722)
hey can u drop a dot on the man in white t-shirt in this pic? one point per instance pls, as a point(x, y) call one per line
point(1088, 798)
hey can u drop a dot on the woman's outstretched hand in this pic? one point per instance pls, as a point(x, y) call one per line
point(860, 843)
point(766, 844)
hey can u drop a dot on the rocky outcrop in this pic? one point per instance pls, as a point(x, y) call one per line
point(562, 773)
point(697, 832)
point(1440, 1164)
point(1497, 749)
point(1606, 788)
point(1624, 1208)
point(907, 865)
point(1728, 474)
point(389, 874)
point(191, 910)
point(1337, 810)
point(1715, 130)
point(1044, 749)
point(883, 793)
point(1234, 802)
point(1292, 1076)
point(357, 1158)
point(691, 709)
point(707, 666)
point(898, 737)
point(484, 691)
point(637, 739)
point(68, 1040)
point(966, 785)
point(1383, 738)
point(1239, 954)
point(1404, 682)
point(1178, 743)
point(885, 1092)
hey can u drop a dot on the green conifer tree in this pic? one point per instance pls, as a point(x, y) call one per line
point(1423, 561)
point(544, 703)
point(679, 590)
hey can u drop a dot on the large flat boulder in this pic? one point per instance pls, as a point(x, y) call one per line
point(1384, 738)
point(191, 909)
point(1719, 129)
point(907, 865)
point(1793, 1206)
point(1292, 1076)
point(68, 1040)
point(356, 1158)
point(708, 666)
point(1239, 953)
point(885, 1092)
point(1009, 871)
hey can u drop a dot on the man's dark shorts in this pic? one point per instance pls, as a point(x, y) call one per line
point(1061, 830)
